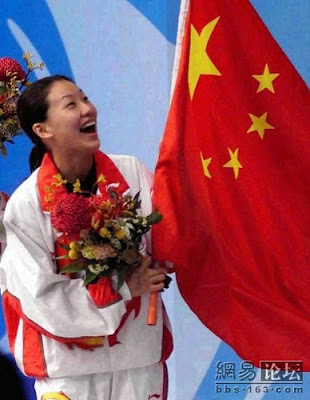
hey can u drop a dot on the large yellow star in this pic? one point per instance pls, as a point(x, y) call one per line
point(265, 80)
point(199, 61)
point(205, 165)
point(233, 162)
point(259, 124)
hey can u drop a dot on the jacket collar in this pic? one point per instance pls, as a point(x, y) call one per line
point(50, 181)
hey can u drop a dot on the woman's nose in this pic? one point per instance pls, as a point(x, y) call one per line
point(87, 108)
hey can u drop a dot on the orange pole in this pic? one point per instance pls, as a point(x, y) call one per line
point(152, 312)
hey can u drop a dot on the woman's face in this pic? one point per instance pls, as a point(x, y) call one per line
point(71, 120)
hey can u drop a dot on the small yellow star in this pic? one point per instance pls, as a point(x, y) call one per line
point(199, 61)
point(205, 165)
point(259, 124)
point(265, 80)
point(233, 162)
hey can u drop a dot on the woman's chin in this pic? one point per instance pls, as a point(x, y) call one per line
point(93, 143)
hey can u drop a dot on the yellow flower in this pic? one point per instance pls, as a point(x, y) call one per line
point(95, 222)
point(77, 186)
point(88, 252)
point(120, 234)
point(101, 179)
point(75, 246)
point(27, 56)
point(104, 232)
point(73, 254)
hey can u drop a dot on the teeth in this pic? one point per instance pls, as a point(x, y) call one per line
point(88, 124)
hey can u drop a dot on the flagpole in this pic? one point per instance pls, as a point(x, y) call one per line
point(181, 26)
point(152, 311)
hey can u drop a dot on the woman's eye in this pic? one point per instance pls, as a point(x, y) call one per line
point(85, 98)
point(72, 103)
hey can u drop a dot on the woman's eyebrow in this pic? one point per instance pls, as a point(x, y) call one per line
point(70, 94)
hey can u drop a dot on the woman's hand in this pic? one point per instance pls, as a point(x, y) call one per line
point(146, 278)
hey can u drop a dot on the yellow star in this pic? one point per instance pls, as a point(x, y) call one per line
point(199, 61)
point(265, 80)
point(205, 165)
point(233, 162)
point(259, 124)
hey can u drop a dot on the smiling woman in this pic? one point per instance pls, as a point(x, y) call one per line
point(53, 318)
point(58, 117)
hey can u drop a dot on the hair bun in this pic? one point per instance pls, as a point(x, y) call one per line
point(36, 155)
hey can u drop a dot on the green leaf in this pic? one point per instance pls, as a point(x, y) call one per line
point(65, 246)
point(89, 278)
point(112, 193)
point(154, 218)
point(136, 198)
point(64, 257)
point(121, 277)
point(72, 267)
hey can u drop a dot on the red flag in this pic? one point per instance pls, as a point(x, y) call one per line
point(232, 181)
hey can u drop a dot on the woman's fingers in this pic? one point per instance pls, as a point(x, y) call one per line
point(148, 277)
point(147, 261)
point(157, 278)
point(156, 271)
point(157, 287)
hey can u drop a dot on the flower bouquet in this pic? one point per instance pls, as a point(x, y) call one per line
point(12, 81)
point(104, 233)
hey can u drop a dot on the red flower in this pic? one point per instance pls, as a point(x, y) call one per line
point(102, 207)
point(71, 213)
point(8, 64)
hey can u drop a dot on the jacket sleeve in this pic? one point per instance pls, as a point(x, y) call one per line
point(58, 305)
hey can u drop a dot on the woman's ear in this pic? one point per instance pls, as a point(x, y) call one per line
point(40, 129)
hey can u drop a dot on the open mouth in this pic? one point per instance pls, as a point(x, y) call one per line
point(90, 127)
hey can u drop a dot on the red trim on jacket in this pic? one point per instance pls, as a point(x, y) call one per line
point(104, 166)
point(13, 313)
point(33, 356)
point(132, 305)
point(102, 292)
point(167, 341)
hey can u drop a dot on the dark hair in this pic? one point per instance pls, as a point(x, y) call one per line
point(32, 107)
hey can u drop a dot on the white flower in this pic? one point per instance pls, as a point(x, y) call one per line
point(97, 268)
point(144, 223)
point(116, 244)
point(127, 226)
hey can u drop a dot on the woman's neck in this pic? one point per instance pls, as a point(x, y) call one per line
point(74, 168)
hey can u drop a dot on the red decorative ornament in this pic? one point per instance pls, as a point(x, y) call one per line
point(8, 64)
point(71, 213)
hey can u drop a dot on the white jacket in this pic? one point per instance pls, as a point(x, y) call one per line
point(42, 306)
